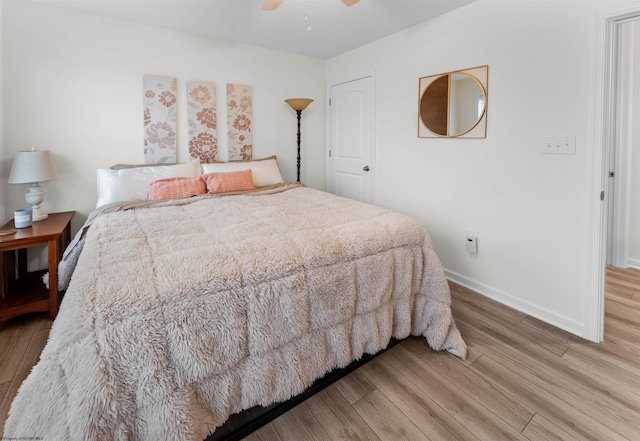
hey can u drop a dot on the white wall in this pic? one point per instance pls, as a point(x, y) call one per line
point(73, 83)
point(634, 212)
point(529, 208)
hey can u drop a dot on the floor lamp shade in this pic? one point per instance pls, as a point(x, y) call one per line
point(33, 166)
point(298, 104)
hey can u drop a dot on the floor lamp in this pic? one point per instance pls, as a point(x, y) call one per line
point(298, 104)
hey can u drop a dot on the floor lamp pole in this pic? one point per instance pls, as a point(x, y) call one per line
point(298, 104)
point(299, 112)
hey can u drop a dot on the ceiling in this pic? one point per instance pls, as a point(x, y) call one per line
point(335, 28)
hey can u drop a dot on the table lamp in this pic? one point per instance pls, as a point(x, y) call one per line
point(33, 167)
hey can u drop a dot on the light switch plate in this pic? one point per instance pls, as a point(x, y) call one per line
point(559, 145)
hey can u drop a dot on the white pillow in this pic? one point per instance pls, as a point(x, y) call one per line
point(131, 184)
point(264, 171)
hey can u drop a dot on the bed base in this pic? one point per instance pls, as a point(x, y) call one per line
point(248, 421)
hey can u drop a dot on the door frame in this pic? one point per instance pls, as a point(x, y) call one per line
point(603, 118)
point(330, 169)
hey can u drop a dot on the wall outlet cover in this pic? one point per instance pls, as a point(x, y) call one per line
point(472, 242)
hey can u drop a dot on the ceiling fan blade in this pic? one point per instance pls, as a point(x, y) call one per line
point(349, 2)
point(270, 5)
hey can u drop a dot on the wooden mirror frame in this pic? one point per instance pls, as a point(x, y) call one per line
point(478, 130)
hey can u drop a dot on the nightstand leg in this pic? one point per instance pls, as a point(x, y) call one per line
point(53, 278)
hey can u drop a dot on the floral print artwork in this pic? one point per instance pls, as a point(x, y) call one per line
point(239, 118)
point(203, 120)
point(159, 119)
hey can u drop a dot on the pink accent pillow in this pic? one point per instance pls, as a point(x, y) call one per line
point(176, 188)
point(222, 182)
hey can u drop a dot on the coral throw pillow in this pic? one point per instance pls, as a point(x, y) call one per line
point(176, 188)
point(223, 182)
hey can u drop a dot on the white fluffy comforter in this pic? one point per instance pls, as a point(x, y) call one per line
point(178, 315)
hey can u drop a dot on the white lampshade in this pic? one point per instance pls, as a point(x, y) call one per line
point(33, 166)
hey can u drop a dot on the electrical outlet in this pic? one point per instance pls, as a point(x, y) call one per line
point(472, 242)
point(559, 145)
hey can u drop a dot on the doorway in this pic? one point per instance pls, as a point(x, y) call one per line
point(605, 124)
point(623, 237)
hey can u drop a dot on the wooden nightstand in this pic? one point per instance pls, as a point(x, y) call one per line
point(21, 291)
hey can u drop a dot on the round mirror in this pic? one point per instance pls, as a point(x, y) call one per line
point(452, 104)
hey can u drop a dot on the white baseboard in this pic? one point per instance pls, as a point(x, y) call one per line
point(633, 263)
point(523, 306)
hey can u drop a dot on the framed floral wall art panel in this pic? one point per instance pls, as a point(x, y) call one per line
point(159, 119)
point(203, 120)
point(239, 121)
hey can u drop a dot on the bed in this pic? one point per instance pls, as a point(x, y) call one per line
point(179, 313)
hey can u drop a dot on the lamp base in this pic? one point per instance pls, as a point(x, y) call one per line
point(37, 214)
point(34, 197)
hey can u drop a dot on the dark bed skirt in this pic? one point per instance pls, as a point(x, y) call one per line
point(242, 424)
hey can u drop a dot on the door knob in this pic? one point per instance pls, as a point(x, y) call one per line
point(366, 168)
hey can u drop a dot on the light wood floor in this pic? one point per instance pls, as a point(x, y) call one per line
point(523, 380)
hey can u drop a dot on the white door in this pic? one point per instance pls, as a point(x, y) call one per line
point(351, 149)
